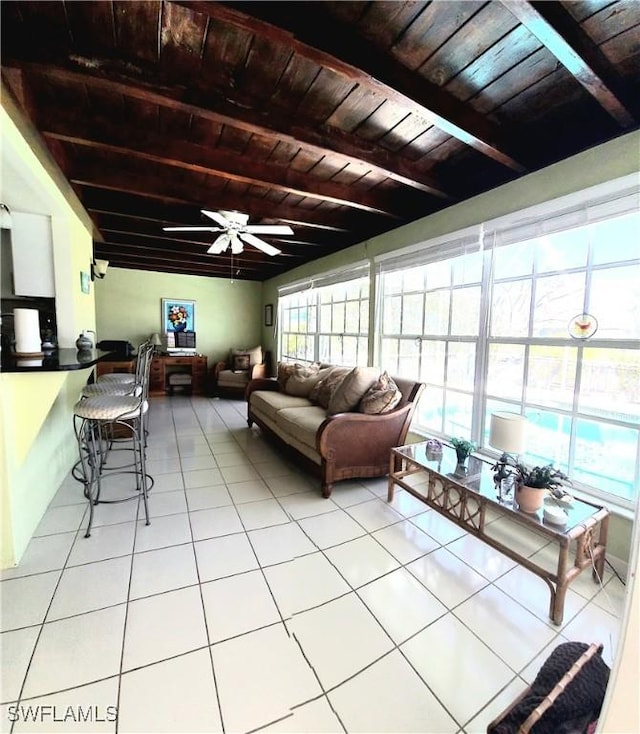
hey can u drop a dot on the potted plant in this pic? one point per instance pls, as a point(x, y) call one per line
point(532, 485)
point(463, 450)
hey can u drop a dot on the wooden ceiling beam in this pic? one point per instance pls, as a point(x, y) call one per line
point(555, 28)
point(219, 163)
point(216, 107)
point(311, 33)
point(192, 198)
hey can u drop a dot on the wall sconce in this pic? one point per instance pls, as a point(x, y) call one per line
point(5, 216)
point(99, 269)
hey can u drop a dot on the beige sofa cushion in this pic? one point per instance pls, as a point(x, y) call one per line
point(285, 370)
point(302, 423)
point(381, 397)
point(348, 393)
point(304, 378)
point(270, 402)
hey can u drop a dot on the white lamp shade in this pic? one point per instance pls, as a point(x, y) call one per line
point(100, 267)
point(507, 432)
point(155, 340)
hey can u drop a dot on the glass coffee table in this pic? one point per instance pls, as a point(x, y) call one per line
point(472, 501)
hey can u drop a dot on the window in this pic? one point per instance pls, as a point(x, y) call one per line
point(327, 319)
point(484, 321)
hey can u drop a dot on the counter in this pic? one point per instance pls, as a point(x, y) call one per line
point(55, 361)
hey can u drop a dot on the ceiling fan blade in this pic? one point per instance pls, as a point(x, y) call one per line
point(192, 229)
point(269, 229)
point(217, 217)
point(219, 245)
point(264, 246)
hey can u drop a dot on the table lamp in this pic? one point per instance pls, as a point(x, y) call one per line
point(156, 341)
point(507, 433)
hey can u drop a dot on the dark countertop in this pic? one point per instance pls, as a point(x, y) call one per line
point(55, 361)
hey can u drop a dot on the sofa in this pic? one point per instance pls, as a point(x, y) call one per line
point(313, 426)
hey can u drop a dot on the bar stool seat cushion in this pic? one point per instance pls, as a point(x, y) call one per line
point(110, 408)
point(110, 388)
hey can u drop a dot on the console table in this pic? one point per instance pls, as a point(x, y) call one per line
point(467, 500)
point(162, 366)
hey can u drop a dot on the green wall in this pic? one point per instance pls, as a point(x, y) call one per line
point(228, 313)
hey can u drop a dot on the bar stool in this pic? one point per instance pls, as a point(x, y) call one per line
point(96, 421)
point(104, 418)
point(124, 378)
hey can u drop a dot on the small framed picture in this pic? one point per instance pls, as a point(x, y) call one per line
point(178, 315)
point(84, 282)
point(268, 314)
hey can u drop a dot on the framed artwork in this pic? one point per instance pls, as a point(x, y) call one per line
point(268, 314)
point(84, 282)
point(178, 315)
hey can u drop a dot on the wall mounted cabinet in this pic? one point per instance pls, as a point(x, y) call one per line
point(32, 254)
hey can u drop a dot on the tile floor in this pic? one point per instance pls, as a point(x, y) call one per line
point(251, 603)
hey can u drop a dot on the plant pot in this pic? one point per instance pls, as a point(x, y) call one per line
point(530, 499)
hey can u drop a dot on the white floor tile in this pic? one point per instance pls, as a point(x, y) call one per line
point(291, 484)
point(390, 697)
point(42, 554)
point(289, 583)
point(495, 707)
point(481, 557)
point(69, 493)
point(105, 542)
point(61, 519)
point(202, 478)
point(111, 514)
point(316, 716)
point(331, 528)
point(438, 527)
point(162, 570)
point(350, 492)
point(163, 465)
point(226, 556)
point(164, 503)
point(233, 456)
point(280, 543)
point(374, 515)
point(24, 601)
point(194, 463)
point(339, 638)
point(361, 560)
point(167, 482)
point(593, 624)
point(15, 652)
point(305, 504)
point(447, 576)
point(266, 668)
point(251, 491)
point(514, 535)
point(406, 504)
point(405, 541)
point(262, 514)
point(159, 627)
point(401, 604)
point(215, 522)
point(76, 651)
point(464, 665)
point(533, 593)
point(505, 626)
point(176, 695)
point(92, 586)
point(163, 532)
point(612, 597)
point(239, 473)
point(204, 498)
point(272, 468)
point(228, 612)
point(96, 703)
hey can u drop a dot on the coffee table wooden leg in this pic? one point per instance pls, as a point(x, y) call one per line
point(392, 485)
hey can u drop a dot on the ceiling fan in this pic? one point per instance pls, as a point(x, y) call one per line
point(235, 231)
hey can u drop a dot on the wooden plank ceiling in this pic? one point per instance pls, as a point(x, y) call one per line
point(342, 119)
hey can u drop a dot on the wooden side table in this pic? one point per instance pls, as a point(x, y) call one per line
point(128, 366)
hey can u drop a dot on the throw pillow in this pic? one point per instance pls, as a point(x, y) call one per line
point(255, 355)
point(348, 393)
point(285, 370)
point(303, 379)
point(324, 389)
point(241, 362)
point(381, 397)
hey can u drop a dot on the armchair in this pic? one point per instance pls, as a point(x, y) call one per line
point(243, 365)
